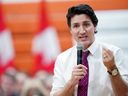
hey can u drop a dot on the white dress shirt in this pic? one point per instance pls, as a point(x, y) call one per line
point(99, 81)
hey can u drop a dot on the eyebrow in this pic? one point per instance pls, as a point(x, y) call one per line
point(83, 22)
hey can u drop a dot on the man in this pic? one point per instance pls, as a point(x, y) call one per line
point(104, 72)
point(8, 84)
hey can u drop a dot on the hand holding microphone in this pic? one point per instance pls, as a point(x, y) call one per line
point(79, 71)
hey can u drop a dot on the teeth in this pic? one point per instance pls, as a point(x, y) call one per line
point(84, 37)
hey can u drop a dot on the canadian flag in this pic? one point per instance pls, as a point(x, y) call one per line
point(6, 47)
point(45, 45)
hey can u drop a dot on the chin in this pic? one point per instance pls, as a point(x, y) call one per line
point(86, 43)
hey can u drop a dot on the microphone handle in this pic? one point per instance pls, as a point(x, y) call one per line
point(79, 57)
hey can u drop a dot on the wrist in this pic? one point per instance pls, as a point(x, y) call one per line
point(113, 72)
point(111, 67)
point(71, 84)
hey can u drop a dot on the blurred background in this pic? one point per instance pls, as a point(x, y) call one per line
point(34, 32)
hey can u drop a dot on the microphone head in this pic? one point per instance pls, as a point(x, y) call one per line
point(79, 46)
point(79, 53)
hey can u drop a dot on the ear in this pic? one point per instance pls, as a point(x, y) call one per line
point(95, 27)
point(95, 31)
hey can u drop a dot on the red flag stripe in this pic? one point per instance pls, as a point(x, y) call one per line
point(2, 25)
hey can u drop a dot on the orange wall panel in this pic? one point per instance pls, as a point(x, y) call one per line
point(22, 17)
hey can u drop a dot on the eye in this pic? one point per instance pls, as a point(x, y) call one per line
point(75, 26)
point(86, 24)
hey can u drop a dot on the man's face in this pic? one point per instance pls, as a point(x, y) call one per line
point(82, 29)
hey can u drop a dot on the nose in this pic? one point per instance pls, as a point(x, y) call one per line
point(82, 30)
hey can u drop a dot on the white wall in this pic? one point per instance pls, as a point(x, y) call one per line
point(113, 28)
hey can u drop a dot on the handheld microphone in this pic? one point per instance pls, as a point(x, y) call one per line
point(79, 53)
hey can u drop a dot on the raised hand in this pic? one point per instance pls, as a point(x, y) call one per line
point(108, 59)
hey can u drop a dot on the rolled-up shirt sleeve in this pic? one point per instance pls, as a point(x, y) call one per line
point(122, 64)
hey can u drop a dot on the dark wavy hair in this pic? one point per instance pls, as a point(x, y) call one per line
point(81, 9)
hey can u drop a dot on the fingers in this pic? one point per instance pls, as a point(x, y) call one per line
point(108, 58)
point(107, 55)
point(80, 66)
point(107, 52)
point(79, 71)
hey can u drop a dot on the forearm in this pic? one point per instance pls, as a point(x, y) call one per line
point(119, 86)
point(68, 90)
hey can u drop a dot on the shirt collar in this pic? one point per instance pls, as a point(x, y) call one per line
point(92, 49)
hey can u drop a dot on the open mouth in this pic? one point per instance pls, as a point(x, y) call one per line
point(83, 38)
